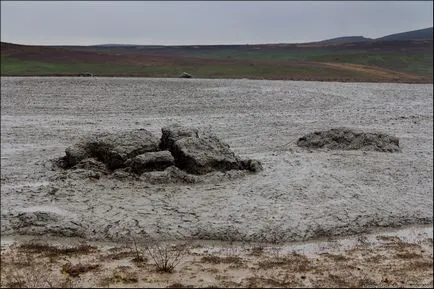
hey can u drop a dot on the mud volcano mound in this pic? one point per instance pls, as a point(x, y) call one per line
point(181, 150)
point(350, 139)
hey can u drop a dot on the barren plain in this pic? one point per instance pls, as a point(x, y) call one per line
point(301, 194)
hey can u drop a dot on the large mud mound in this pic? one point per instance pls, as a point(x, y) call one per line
point(182, 152)
point(350, 139)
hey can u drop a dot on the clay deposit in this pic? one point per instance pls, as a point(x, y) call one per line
point(182, 150)
point(302, 193)
point(348, 139)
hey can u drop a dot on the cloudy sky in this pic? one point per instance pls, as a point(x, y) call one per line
point(195, 22)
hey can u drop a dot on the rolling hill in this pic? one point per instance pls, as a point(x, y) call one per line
point(421, 34)
point(338, 59)
point(342, 40)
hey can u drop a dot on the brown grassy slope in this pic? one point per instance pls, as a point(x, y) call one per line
point(67, 55)
point(175, 58)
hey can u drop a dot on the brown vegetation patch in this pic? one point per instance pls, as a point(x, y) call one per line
point(294, 262)
point(394, 263)
point(335, 257)
point(421, 265)
point(222, 260)
point(49, 250)
point(257, 251)
point(25, 270)
point(408, 255)
point(78, 269)
point(122, 274)
point(271, 281)
point(389, 239)
point(116, 256)
point(179, 285)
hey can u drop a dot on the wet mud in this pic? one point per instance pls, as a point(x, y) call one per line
point(301, 193)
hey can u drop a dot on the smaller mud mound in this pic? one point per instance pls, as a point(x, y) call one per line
point(349, 139)
point(181, 152)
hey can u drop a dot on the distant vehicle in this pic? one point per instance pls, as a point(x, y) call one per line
point(185, 75)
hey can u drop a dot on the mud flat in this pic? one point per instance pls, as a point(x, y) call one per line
point(300, 194)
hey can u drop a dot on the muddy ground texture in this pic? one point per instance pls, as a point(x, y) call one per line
point(348, 139)
point(337, 159)
point(183, 153)
point(395, 259)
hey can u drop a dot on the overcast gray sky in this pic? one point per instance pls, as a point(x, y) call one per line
point(216, 22)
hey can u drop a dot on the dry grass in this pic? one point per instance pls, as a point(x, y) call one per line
point(122, 274)
point(294, 262)
point(78, 269)
point(389, 263)
point(23, 270)
point(408, 255)
point(270, 281)
point(139, 259)
point(389, 239)
point(117, 253)
point(20, 259)
point(166, 257)
point(421, 265)
point(116, 256)
point(257, 251)
point(222, 260)
point(49, 250)
point(339, 281)
point(179, 285)
point(335, 257)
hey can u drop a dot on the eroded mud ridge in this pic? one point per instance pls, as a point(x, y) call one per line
point(350, 139)
point(181, 153)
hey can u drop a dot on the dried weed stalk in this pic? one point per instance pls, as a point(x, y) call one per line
point(166, 257)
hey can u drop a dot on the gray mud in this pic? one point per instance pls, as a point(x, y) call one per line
point(350, 139)
point(301, 193)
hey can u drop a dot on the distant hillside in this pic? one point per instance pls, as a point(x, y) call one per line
point(421, 34)
point(353, 58)
point(343, 40)
point(124, 45)
point(114, 45)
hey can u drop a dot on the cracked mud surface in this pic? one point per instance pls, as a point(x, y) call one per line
point(300, 194)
